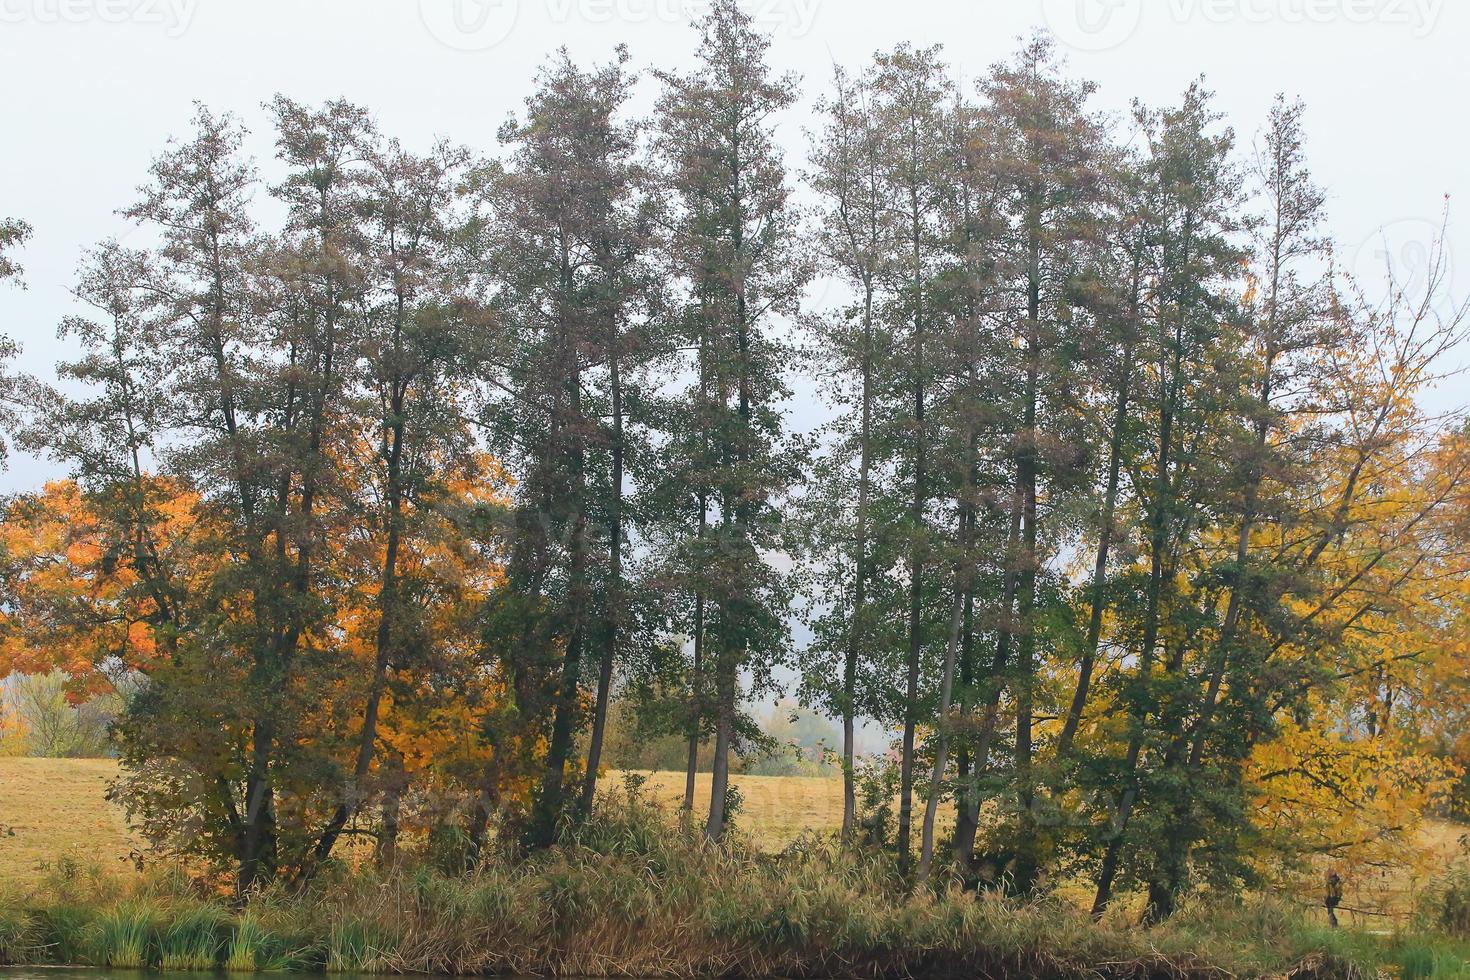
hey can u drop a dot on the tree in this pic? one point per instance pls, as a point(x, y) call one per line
point(1194, 194)
point(13, 234)
point(1288, 326)
point(237, 349)
point(571, 242)
point(1048, 157)
point(734, 244)
point(52, 724)
point(848, 545)
point(419, 338)
point(912, 92)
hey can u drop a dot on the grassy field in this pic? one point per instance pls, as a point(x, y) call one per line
point(776, 809)
point(56, 808)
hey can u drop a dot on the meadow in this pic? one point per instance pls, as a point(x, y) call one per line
point(648, 899)
point(55, 810)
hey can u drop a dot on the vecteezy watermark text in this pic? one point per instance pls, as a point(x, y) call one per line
point(1097, 25)
point(174, 16)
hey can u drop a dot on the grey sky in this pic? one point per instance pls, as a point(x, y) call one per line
point(95, 87)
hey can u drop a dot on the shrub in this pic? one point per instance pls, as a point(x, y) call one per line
point(1446, 905)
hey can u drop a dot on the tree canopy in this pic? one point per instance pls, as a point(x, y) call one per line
point(392, 480)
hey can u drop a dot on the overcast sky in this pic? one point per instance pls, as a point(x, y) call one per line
point(93, 89)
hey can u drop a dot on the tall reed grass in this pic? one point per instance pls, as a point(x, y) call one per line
point(637, 895)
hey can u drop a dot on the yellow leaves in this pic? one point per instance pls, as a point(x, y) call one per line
point(1252, 288)
point(14, 732)
point(1359, 801)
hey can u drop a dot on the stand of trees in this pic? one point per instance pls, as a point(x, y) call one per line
point(1126, 520)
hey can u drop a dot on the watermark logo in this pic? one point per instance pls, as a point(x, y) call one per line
point(1099, 25)
point(173, 16)
point(1093, 25)
point(1420, 17)
point(470, 25)
point(1410, 258)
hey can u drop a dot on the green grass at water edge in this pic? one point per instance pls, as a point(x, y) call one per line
point(1420, 958)
point(194, 938)
point(124, 937)
point(254, 948)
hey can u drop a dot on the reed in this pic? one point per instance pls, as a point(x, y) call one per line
point(193, 937)
point(125, 936)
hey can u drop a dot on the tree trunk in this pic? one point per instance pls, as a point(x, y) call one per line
point(965, 832)
point(1027, 475)
point(395, 784)
point(857, 631)
point(258, 841)
point(614, 592)
point(1100, 565)
point(485, 802)
point(916, 560)
point(696, 708)
point(946, 692)
point(714, 828)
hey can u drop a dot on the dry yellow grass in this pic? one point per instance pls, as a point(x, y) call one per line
point(57, 808)
point(53, 808)
point(776, 809)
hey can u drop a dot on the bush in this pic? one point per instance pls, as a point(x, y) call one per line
point(1446, 905)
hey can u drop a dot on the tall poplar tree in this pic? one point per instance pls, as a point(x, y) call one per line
point(567, 246)
point(1049, 157)
point(849, 546)
point(912, 94)
point(735, 244)
point(1194, 215)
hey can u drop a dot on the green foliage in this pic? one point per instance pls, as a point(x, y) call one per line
point(1446, 903)
point(734, 803)
point(877, 784)
point(799, 742)
point(646, 734)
